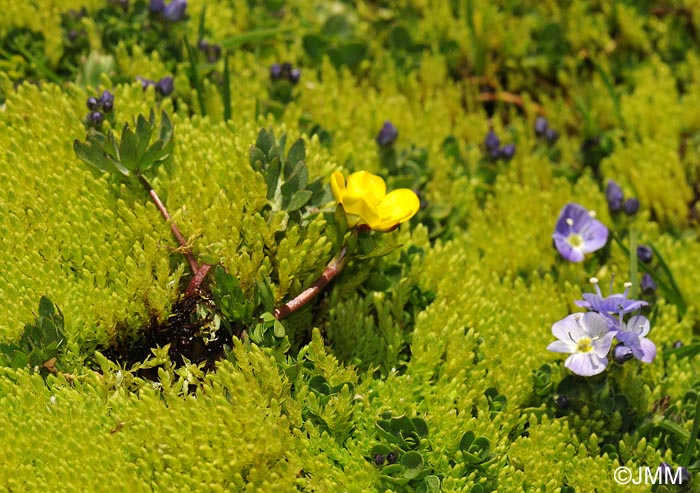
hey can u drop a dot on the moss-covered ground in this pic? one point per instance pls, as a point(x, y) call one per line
point(423, 365)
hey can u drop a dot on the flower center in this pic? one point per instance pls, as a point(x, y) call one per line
point(584, 345)
point(575, 240)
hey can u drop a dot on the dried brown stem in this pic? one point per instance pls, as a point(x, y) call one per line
point(508, 97)
point(332, 269)
point(173, 227)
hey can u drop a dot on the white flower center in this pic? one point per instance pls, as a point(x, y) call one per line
point(584, 345)
point(575, 240)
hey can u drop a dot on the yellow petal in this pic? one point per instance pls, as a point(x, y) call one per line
point(368, 186)
point(397, 207)
point(358, 206)
point(338, 186)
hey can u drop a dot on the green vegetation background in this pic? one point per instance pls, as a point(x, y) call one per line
point(620, 72)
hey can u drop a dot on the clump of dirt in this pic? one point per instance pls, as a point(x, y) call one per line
point(191, 330)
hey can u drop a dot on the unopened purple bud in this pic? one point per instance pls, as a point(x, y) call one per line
point(645, 254)
point(492, 143)
point(677, 344)
point(202, 44)
point(684, 475)
point(541, 126)
point(108, 106)
point(166, 85)
point(614, 196)
point(631, 206)
point(156, 6)
point(294, 75)
point(145, 82)
point(622, 353)
point(96, 117)
point(286, 69)
point(106, 96)
point(387, 135)
point(92, 103)
point(647, 284)
point(213, 53)
point(561, 401)
point(175, 10)
point(551, 135)
point(275, 71)
point(507, 151)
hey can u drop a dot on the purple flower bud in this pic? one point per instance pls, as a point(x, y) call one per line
point(622, 353)
point(677, 344)
point(647, 284)
point(685, 475)
point(387, 135)
point(145, 82)
point(378, 459)
point(645, 254)
point(106, 96)
point(107, 106)
point(614, 196)
point(166, 85)
point(92, 103)
point(275, 71)
point(156, 6)
point(294, 75)
point(561, 401)
point(175, 10)
point(391, 458)
point(213, 53)
point(286, 69)
point(541, 126)
point(631, 206)
point(551, 135)
point(492, 143)
point(507, 151)
point(203, 45)
point(96, 118)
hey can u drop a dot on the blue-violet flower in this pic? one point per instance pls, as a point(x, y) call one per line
point(577, 233)
point(633, 335)
point(611, 307)
point(587, 338)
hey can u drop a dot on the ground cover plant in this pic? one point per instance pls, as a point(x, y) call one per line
point(350, 246)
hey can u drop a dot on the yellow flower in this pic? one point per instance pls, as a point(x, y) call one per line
point(365, 196)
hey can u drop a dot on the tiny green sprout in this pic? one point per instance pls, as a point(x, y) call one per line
point(131, 154)
point(41, 341)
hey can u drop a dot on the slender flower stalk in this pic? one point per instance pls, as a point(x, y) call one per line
point(334, 267)
point(633, 262)
point(187, 251)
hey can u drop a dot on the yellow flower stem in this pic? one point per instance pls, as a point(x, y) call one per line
point(332, 269)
